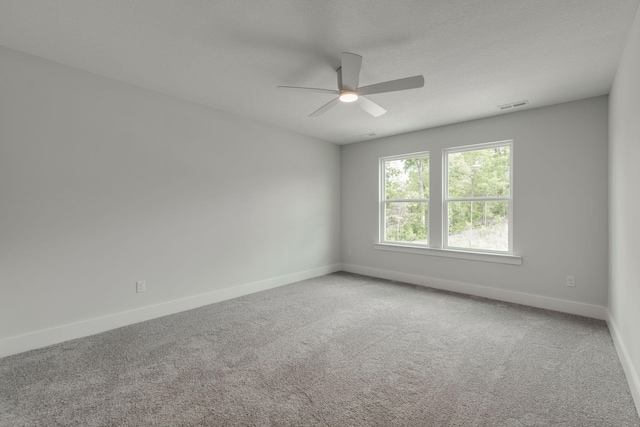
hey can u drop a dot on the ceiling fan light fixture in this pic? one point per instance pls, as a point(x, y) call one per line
point(348, 95)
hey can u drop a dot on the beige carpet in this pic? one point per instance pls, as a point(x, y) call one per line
point(339, 350)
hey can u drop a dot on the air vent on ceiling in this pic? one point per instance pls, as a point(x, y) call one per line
point(513, 105)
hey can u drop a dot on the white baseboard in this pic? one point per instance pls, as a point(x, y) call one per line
point(625, 361)
point(58, 334)
point(572, 307)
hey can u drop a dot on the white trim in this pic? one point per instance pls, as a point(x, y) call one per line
point(58, 334)
point(555, 304)
point(625, 361)
point(499, 257)
point(406, 200)
point(405, 156)
point(480, 146)
point(480, 199)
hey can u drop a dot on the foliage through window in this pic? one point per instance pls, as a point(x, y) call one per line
point(477, 198)
point(405, 198)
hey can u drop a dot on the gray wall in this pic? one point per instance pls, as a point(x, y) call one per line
point(103, 184)
point(624, 182)
point(560, 208)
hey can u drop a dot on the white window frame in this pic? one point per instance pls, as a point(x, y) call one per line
point(382, 220)
point(438, 231)
point(446, 199)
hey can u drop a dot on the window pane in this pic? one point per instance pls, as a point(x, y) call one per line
point(479, 225)
point(407, 178)
point(479, 173)
point(406, 222)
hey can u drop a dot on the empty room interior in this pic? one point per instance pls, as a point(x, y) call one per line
point(345, 213)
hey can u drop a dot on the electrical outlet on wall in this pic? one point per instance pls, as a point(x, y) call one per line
point(141, 286)
point(571, 281)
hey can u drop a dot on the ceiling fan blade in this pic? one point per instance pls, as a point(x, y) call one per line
point(324, 108)
point(392, 85)
point(350, 71)
point(309, 89)
point(371, 107)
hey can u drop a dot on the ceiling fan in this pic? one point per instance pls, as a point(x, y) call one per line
point(348, 90)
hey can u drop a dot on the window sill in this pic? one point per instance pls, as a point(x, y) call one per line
point(451, 253)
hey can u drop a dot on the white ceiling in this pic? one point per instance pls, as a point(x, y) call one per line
point(231, 54)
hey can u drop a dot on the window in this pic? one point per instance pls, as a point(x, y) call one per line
point(470, 214)
point(404, 201)
point(477, 198)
